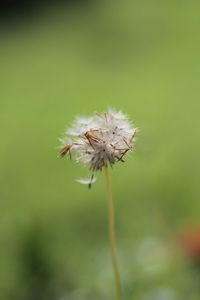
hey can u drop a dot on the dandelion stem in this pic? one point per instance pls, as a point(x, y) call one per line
point(112, 234)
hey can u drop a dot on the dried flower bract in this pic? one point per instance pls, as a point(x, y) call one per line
point(101, 140)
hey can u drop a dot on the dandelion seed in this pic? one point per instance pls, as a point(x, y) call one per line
point(87, 181)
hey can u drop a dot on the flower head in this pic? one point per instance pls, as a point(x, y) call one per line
point(100, 140)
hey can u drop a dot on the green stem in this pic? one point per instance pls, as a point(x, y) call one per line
point(112, 234)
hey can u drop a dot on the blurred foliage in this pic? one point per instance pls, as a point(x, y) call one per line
point(141, 57)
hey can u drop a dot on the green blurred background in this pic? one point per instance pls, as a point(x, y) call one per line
point(60, 60)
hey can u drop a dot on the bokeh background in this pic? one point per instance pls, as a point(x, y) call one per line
point(59, 59)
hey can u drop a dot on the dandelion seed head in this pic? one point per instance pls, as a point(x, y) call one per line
point(100, 140)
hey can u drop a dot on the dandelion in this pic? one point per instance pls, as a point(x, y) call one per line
point(98, 142)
